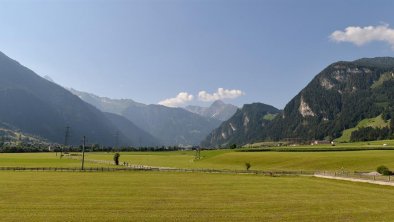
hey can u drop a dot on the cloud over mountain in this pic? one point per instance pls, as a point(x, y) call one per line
point(220, 94)
point(184, 97)
point(362, 35)
point(180, 99)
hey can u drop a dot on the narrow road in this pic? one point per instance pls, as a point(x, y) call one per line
point(356, 180)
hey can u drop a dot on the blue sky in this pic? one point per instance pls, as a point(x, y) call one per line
point(150, 51)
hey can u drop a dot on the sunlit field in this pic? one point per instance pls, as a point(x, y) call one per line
point(365, 160)
point(172, 196)
point(312, 161)
point(31, 160)
point(159, 196)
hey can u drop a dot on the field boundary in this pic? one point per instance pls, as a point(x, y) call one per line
point(145, 168)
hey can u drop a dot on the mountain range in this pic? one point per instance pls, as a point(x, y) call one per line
point(338, 98)
point(37, 106)
point(171, 126)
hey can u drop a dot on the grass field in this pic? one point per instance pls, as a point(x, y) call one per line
point(226, 159)
point(39, 160)
point(367, 160)
point(158, 196)
point(171, 196)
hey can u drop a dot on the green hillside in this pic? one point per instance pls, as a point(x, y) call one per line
point(338, 98)
point(377, 122)
point(383, 78)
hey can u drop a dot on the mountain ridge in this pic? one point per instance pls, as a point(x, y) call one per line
point(245, 124)
point(217, 110)
point(171, 126)
point(40, 107)
point(337, 98)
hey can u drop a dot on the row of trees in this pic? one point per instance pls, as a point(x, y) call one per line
point(26, 148)
point(372, 133)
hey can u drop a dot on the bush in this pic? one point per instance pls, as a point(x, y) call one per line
point(233, 146)
point(116, 158)
point(247, 165)
point(383, 170)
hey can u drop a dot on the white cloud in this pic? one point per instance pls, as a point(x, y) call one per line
point(362, 35)
point(180, 99)
point(220, 94)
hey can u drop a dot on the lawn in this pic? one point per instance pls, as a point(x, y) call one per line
point(158, 196)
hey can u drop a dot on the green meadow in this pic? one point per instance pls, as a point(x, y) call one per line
point(164, 196)
point(175, 196)
point(309, 159)
point(338, 160)
point(34, 160)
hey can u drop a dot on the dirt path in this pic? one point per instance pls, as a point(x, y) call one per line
point(356, 180)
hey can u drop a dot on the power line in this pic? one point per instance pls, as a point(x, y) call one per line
point(66, 138)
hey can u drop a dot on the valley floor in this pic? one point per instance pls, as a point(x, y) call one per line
point(226, 159)
point(176, 196)
point(158, 196)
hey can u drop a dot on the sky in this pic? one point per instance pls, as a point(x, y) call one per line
point(192, 52)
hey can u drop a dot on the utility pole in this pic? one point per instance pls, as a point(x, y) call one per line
point(198, 153)
point(66, 137)
point(83, 151)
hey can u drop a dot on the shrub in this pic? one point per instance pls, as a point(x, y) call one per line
point(383, 170)
point(247, 165)
point(233, 146)
point(116, 158)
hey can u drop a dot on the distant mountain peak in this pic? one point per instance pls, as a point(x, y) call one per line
point(217, 110)
point(218, 103)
